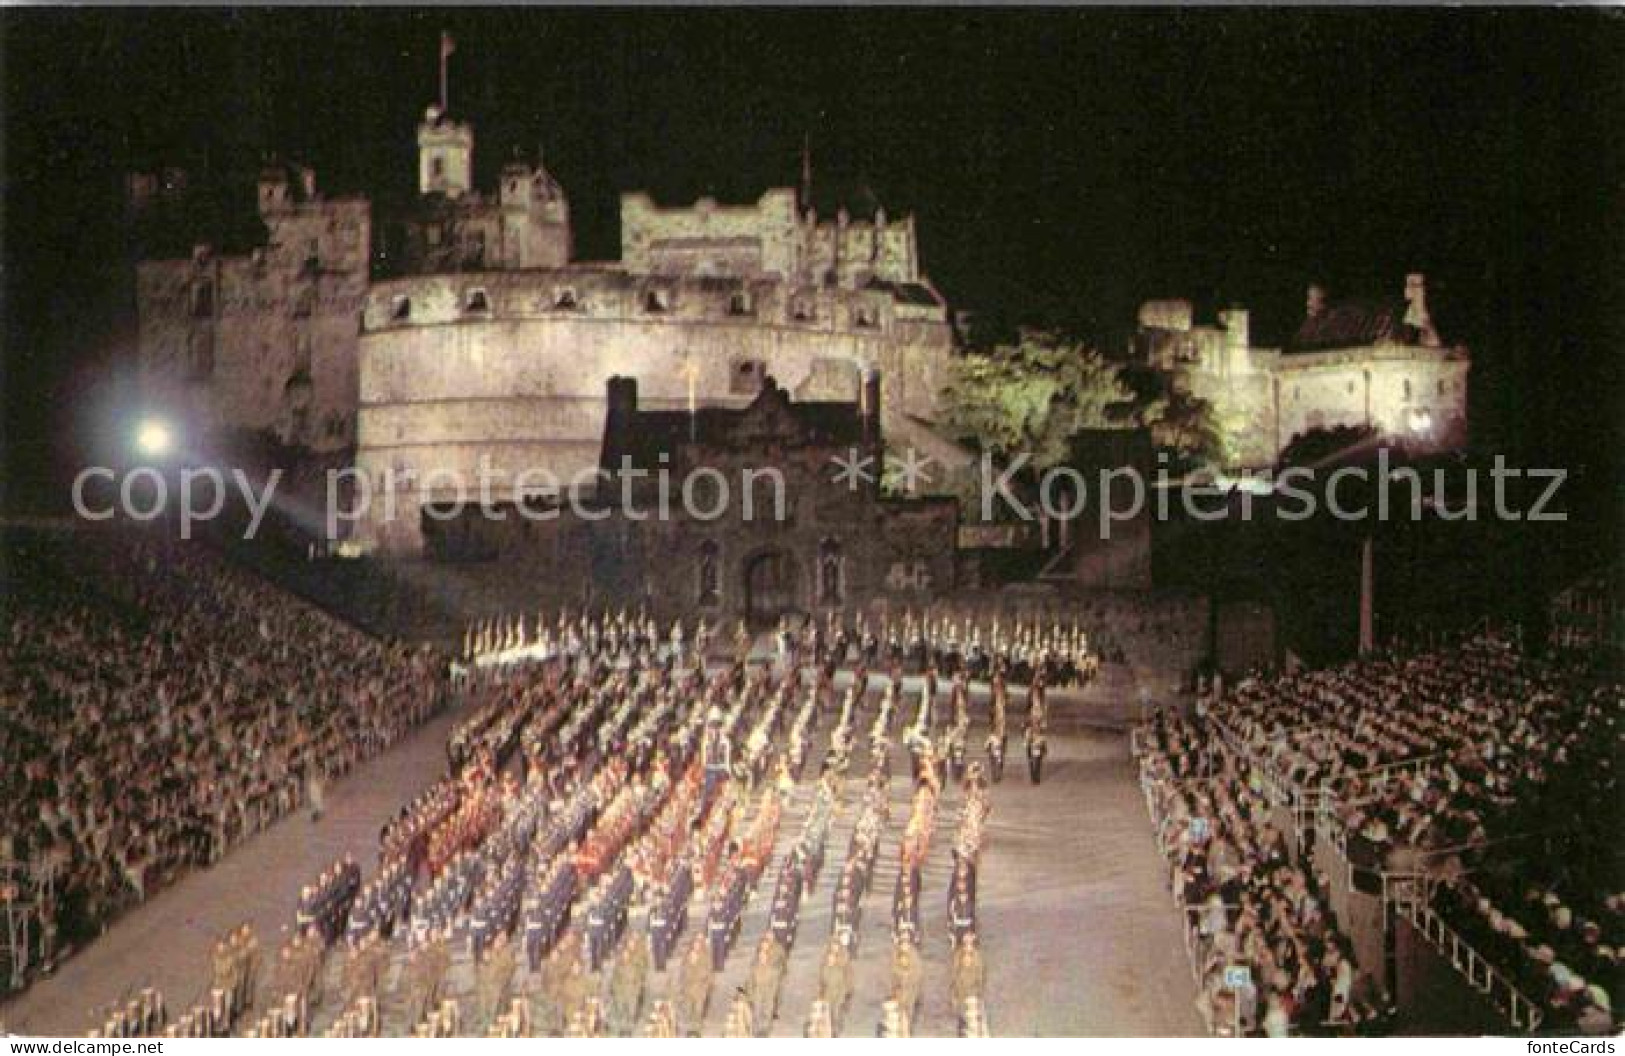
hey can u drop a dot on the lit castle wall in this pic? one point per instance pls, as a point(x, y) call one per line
point(1374, 363)
point(490, 360)
point(471, 338)
point(264, 341)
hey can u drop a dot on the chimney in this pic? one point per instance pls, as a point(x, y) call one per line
point(1417, 316)
point(1236, 327)
point(1316, 300)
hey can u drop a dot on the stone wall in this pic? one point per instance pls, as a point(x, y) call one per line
point(765, 239)
point(265, 341)
point(895, 552)
point(762, 238)
point(519, 384)
point(1394, 389)
point(1405, 392)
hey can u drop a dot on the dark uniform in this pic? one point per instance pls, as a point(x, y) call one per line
point(669, 914)
point(785, 916)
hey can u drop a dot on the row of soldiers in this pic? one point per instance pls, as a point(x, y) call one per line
point(233, 978)
point(458, 862)
point(1025, 649)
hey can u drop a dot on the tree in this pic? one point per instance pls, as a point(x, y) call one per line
point(1032, 397)
point(1184, 426)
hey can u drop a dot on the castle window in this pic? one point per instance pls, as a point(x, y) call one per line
point(831, 573)
point(801, 309)
point(474, 250)
point(745, 379)
point(203, 300)
point(400, 308)
point(477, 301)
point(431, 235)
point(657, 301)
point(867, 317)
point(304, 303)
point(313, 255)
point(709, 579)
point(1407, 388)
point(565, 300)
point(739, 304)
point(437, 168)
point(301, 353)
point(1350, 388)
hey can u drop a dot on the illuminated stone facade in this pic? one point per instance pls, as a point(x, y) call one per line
point(488, 357)
point(466, 338)
point(265, 341)
point(1379, 364)
point(735, 512)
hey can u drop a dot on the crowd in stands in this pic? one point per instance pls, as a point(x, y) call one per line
point(611, 808)
point(1268, 955)
point(1469, 767)
point(161, 706)
point(1562, 958)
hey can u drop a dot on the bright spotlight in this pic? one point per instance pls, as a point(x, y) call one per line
point(153, 439)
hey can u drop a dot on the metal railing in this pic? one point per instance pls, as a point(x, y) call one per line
point(25, 894)
point(1524, 1015)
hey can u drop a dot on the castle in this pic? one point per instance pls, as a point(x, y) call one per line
point(476, 346)
point(1375, 363)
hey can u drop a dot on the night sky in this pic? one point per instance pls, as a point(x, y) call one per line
point(1064, 166)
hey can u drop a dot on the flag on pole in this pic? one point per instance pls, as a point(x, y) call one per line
point(447, 46)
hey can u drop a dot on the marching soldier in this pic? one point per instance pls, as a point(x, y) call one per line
point(626, 984)
point(555, 971)
point(1037, 745)
point(906, 973)
point(970, 975)
point(668, 914)
point(716, 755)
point(997, 739)
point(694, 987)
point(835, 981)
point(493, 977)
point(784, 918)
point(248, 952)
point(766, 977)
point(962, 902)
point(580, 986)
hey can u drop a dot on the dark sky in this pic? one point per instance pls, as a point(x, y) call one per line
point(1063, 165)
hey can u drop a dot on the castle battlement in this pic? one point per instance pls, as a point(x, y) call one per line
point(595, 293)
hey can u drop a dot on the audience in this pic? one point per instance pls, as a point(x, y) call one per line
point(162, 707)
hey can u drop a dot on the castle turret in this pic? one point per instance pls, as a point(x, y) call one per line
point(1417, 317)
point(445, 155)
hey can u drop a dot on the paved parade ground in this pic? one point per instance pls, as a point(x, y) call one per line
point(1079, 932)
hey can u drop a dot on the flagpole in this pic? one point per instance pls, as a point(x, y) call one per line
point(444, 108)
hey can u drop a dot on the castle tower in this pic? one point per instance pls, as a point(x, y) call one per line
point(445, 155)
